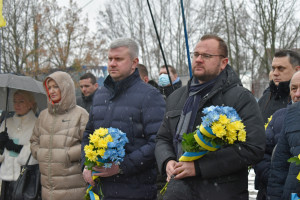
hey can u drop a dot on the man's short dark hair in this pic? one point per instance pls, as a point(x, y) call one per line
point(294, 57)
point(142, 70)
point(171, 68)
point(89, 75)
point(222, 44)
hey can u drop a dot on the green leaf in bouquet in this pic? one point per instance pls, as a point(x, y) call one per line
point(89, 164)
point(189, 144)
point(215, 141)
point(292, 159)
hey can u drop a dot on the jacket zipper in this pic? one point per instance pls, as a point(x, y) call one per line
point(50, 153)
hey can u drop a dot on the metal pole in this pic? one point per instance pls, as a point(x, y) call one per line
point(160, 46)
point(186, 40)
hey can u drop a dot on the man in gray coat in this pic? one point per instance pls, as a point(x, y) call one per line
point(222, 174)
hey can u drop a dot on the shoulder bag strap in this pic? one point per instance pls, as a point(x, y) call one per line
point(28, 160)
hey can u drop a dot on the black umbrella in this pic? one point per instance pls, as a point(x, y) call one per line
point(9, 83)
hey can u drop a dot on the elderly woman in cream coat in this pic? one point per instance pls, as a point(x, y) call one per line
point(15, 141)
point(56, 140)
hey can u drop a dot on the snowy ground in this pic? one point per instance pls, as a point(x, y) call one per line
point(252, 191)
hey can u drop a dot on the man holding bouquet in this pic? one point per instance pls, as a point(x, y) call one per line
point(221, 173)
point(136, 108)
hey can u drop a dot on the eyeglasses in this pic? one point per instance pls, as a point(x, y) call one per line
point(204, 56)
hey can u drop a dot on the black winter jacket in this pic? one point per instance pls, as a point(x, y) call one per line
point(85, 102)
point(274, 98)
point(137, 109)
point(167, 90)
point(222, 174)
point(262, 168)
point(282, 180)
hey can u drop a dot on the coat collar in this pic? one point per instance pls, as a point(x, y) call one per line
point(88, 98)
point(116, 87)
point(280, 91)
point(226, 79)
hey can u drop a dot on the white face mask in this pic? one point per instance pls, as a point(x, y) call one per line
point(163, 80)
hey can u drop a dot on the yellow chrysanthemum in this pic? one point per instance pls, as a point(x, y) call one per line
point(88, 147)
point(90, 154)
point(108, 138)
point(238, 125)
point(101, 143)
point(242, 135)
point(218, 129)
point(223, 119)
point(231, 136)
point(231, 127)
point(94, 138)
point(299, 156)
point(101, 152)
point(298, 177)
point(101, 132)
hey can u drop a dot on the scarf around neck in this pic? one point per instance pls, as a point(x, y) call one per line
point(188, 115)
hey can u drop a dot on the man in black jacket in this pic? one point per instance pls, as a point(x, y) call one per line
point(222, 174)
point(285, 63)
point(88, 86)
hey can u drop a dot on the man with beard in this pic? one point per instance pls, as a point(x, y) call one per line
point(221, 174)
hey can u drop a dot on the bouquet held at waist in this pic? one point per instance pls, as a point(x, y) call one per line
point(220, 126)
point(106, 147)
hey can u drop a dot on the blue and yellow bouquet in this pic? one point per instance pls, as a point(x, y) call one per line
point(220, 126)
point(106, 146)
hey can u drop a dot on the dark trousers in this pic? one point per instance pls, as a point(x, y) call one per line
point(261, 194)
point(178, 190)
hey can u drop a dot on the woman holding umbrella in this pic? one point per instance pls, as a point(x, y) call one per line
point(15, 141)
point(56, 140)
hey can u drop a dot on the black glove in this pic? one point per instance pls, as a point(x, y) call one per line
point(11, 146)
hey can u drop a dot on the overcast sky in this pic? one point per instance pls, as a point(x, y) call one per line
point(89, 7)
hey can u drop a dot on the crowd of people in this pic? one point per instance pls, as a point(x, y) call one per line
point(155, 116)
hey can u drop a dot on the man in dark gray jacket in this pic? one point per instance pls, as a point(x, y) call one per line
point(222, 174)
point(88, 86)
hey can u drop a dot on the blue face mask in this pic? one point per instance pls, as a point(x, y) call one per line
point(163, 80)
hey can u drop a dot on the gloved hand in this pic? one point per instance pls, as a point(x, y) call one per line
point(11, 146)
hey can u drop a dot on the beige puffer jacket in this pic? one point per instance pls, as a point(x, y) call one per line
point(56, 143)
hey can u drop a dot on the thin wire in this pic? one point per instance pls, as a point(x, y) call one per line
point(160, 46)
point(85, 5)
point(186, 40)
